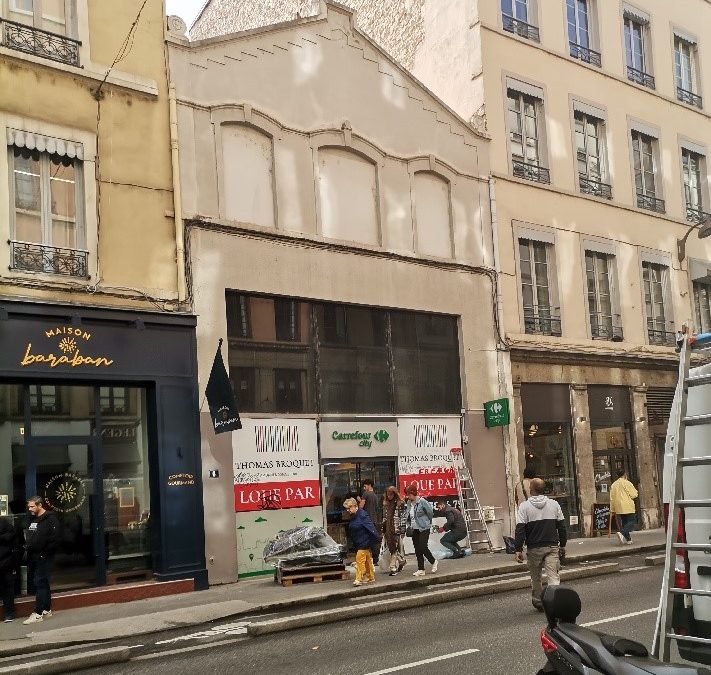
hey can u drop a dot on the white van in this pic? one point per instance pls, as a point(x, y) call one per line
point(692, 614)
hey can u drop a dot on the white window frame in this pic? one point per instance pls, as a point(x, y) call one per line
point(534, 240)
point(590, 248)
point(650, 264)
point(9, 7)
point(540, 123)
point(686, 186)
point(631, 16)
point(599, 125)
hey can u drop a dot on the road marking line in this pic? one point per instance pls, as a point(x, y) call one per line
point(405, 666)
point(170, 652)
point(617, 618)
point(636, 569)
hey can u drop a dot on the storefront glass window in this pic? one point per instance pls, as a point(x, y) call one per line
point(12, 450)
point(612, 452)
point(61, 410)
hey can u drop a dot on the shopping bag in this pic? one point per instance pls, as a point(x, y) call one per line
point(384, 562)
point(510, 545)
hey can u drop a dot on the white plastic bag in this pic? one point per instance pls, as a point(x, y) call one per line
point(385, 556)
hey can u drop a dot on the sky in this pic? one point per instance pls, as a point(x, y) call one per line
point(186, 9)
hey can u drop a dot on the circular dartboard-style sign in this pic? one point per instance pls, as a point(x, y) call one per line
point(65, 492)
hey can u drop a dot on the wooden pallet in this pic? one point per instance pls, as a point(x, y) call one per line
point(316, 574)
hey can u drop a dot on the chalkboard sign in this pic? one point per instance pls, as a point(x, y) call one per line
point(601, 519)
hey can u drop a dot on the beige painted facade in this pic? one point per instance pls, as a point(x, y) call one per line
point(314, 167)
point(477, 59)
point(112, 203)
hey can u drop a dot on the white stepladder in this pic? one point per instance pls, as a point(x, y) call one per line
point(477, 529)
point(678, 463)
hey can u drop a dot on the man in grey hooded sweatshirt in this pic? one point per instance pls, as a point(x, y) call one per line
point(541, 526)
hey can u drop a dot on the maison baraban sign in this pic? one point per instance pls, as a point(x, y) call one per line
point(345, 439)
point(64, 346)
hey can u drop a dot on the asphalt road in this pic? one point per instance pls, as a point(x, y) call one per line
point(488, 635)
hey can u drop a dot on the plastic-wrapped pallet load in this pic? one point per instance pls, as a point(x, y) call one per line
point(303, 547)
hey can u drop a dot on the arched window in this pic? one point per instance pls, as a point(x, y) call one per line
point(248, 175)
point(349, 196)
point(432, 215)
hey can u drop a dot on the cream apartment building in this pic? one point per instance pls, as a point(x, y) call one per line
point(339, 238)
point(600, 128)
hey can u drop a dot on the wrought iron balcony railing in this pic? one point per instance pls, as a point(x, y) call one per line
point(521, 28)
point(29, 257)
point(538, 323)
point(661, 337)
point(594, 187)
point(585, 54)
point(689, 97)
point(605, 331)
point(698, 216)
point(530, 171)
point(640, 77)
point(39, 42)
point(650, 203)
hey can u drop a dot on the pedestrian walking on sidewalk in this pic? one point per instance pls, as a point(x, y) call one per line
point(393, 527)
point(455, 528)
point(371, 508)
point(43, 539)
point(622, 496)
point(418, 524)
point(11, 540)
point(363, 533)
point(541, 526)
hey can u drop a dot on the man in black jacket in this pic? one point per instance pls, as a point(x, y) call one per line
point(455, 529)
point(11, 540)
point(43, 538)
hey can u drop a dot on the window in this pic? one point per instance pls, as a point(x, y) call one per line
point(289, 390)
point(48, 232)
point(643, 152)
point(591, 172)
point(243, 384)
point(638, 67)
point(604, 322)
point(517, 18)
point(693, 190)
point(286, 320)
point(524, 130)
point(656, 283)
point(44, 399)
point(702, 306)
point(113, 400)
point(685, 72)
point(540, 315)
point(579, 32)
point(238, 315)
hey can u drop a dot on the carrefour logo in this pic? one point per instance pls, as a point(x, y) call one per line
point(365, 438)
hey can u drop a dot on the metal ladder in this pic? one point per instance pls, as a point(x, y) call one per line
point(477, 529)
point(663, 633)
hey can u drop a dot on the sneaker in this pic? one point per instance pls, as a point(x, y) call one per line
point(393, 573)
point(8, 619)
point(622, 537)
point(357, 583)
point(629, 542)
point(401, 566)
point(370, 581)
point(434, 566)
point(47, 614)
point(418, 573)
point(33, 618)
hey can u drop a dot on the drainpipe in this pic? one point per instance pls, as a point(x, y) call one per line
point(177, 195)
point(503, 368)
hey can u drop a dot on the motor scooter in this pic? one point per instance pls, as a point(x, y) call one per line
point(574, 650)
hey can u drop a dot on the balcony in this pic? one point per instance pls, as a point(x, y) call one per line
point(604, 330)
point(27, 257)
point(585, 54)
point(521, 28)
point(650, 203)
point(698, 216)
point(540, 322)
point(38, 42)
point(639, 77)
point(662, 338)
point(530, 171)
point(596, 188)
point(689, 97)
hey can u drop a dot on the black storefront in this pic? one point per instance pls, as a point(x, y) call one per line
point(99, 416)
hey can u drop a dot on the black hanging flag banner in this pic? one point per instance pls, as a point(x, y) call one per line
point(221, 398)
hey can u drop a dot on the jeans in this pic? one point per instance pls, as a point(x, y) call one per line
point(627, 523)
point(422, 551)
point(7, 586)
point(43, 594)
point(364, 568)
point(449, 541)
point(544, 558)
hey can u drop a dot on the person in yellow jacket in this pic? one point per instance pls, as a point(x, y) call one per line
point(622, 496)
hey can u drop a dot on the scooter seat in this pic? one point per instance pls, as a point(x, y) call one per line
point(590, 642)
point(618, 646)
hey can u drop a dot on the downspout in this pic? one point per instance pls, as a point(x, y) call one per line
point(504, 372)
point(177, 194)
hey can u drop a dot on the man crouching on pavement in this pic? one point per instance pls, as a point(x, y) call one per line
point(541, 526)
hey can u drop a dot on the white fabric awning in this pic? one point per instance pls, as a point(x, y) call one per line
point(55, 146)
point(524, 88)
point(686, 37)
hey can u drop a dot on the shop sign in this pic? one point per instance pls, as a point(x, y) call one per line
point(609, 404)
point(64, 492)
point(70, 342)
point(118, 433)
point(496, 413)
point(181, 480)
point(425, 457)
point(275, 465)
point(358, 439)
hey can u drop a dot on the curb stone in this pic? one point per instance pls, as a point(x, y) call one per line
point(66, 664)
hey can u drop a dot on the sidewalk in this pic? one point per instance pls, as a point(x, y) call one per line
point(244, 598)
